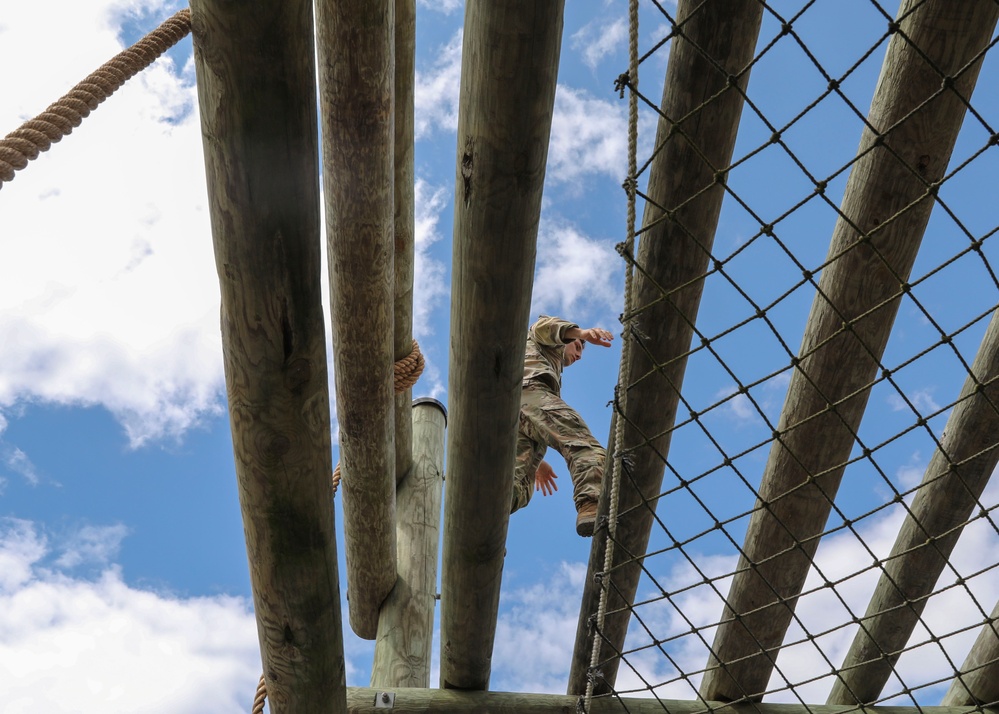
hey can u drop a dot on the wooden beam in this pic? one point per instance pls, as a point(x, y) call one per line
point(356, 83)
point(405, 79)
point(698, 139)
point(422, 701)
point(406, 624)
point(949, 492)
point(256, 86)
point(884, 213)
point(979, 679)
point(509, 67)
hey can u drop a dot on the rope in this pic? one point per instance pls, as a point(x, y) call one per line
point(36, 135)
point(407, 373)
point(260, 697)
point(626, 249)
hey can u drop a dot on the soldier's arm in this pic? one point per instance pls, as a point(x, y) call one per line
point(552, 331)
point(593, 335)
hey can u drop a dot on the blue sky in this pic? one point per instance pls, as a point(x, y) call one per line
point(122, 562)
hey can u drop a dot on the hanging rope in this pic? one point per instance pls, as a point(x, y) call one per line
point(626, 249)
point(36, 135)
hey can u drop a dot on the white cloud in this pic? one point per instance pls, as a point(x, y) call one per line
point(535, 636)
point(436, 91)
point(921, 399)
point(576, 274)
point(444, 6)
point(589, 137)
point(93, 545)
point(599, 38)
point(71, 645)
point(18, 462)
point(108, 292)
point(430, 286)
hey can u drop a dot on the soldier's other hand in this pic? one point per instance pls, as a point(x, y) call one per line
point(597, 336)
point(544, 479)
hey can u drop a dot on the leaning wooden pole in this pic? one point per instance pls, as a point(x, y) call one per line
point(406, 625)
point(404, 230)
point(356, 81)
point(509, 67)
point(978, 682)
point(698, 137)
point(949, 493)
point(256, 86)
point(914, 120)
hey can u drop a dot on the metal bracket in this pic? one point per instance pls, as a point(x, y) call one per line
point(385, 700)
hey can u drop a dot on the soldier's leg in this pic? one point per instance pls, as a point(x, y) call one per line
point(529, 455)
point(566, 432)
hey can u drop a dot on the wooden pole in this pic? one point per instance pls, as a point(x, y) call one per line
point(356, 81)
point(405, 79)
point(884, 213)
point(256, 86)
point(979, 679)
point(698, 140)
point(406, 624)
point(422, 701)
point(951, 487)
point(509, 66)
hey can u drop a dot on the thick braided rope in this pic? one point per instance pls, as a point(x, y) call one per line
point(260, 697)
point(36, 135)
point(621, 396)
point(407, 373)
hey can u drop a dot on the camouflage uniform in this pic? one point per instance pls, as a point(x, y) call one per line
point(545, 420)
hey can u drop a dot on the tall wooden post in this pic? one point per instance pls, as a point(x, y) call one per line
point(979, 680)
point(915, 117)
point(256, 86)
point(406, 624)
point(356, 82)
point(718, 40)
point(509, 67)
point(949, 493)
point(405, 79)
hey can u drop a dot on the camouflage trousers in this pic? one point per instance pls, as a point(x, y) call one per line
point(546, 420)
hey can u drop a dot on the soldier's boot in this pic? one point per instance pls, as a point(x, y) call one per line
point(586, 517)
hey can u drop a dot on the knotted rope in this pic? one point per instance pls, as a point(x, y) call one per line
point(407, 372)
point(36, 135)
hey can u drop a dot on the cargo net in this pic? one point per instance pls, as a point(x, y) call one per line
point(799, 506)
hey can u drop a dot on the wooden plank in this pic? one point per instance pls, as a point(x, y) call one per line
point(945, 500)
point(405, 80)
point(420, 701)
point(979, 681)
point(674, 254)
point(509, 67)
point(406, 624)
point(884, 213)
point(256, 86)
point(356, 84)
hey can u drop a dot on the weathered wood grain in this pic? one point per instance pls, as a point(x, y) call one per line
point(406, 624)
point(356, 86)
point(509, 67)
point(256, 87)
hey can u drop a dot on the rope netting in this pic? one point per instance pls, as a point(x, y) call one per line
point(810, 523)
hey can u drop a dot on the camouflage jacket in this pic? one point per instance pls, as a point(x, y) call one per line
point(543, 356)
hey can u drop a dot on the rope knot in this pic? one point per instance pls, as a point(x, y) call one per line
point(622, 82)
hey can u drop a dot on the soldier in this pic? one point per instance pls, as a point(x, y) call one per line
point(546, 420)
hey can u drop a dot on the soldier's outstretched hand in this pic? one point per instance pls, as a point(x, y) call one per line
point(544, 479)
point(597, 336)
